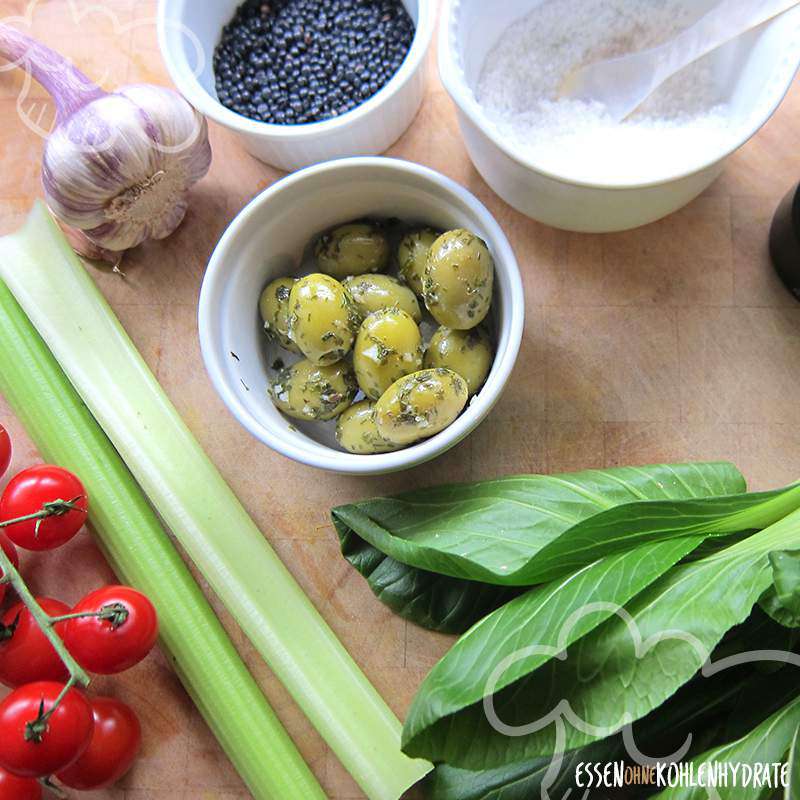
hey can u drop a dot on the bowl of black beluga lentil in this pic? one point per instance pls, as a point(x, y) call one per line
point(301, 81)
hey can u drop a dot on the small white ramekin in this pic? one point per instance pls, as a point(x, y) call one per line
point(755, 72)
point(267, 240)
point(188, 32)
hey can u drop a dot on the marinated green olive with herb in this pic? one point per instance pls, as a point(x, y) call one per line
point(322, 319)
point(376, 292)
point(468, 353)
point(311, 392)
point(357, 433)
point(459, 279)
point(274, 308)
point(412, 256)
point(352, 250)
point(420, 405)
point(363, 334)
point(388, 346)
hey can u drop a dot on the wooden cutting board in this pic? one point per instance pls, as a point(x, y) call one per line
point(672, 342)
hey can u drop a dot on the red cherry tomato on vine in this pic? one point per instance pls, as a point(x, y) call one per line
point(12, 787)
point(25, 653)
point(29, 492)
point(32, 747)
point(114, 746)
point(113, 644)
point(11, 552)
point(5, 450)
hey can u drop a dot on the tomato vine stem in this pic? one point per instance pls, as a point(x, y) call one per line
point(43, 620)
point(77, 676)
point(52, 787)
point(35, 729)
point(53, 508)
point(115, 612)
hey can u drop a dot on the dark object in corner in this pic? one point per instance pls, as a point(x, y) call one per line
point(784, 241)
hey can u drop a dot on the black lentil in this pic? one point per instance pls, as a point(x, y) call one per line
point(291, 62)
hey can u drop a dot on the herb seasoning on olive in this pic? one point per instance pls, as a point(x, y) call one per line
point(388, 346)
point(312, 392)
point(322, 319)
point(362, 336)
point(274, 307)
point(459, 279)
point(353, 249)
point(376, 292)
point(357, 433)
point(467, 353)
point(290, 62)
point(412, 256)
point(420, 405)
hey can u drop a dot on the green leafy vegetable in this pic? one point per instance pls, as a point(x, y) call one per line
point(616, 673)
point(770, 603)
point(786, 577)
point(528, 632)
point(524, 530)
point(697, 710)
point(767, 743)
point(521, 781)
point(512, 782)
point(436, 602)
point(792, 791)
point(782, 600)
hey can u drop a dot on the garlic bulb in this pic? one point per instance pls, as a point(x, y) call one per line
point(148, 146)
point(117, 167)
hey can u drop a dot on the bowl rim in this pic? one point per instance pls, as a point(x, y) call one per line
point(190, 87)
point(453, 79)
point(512, 323)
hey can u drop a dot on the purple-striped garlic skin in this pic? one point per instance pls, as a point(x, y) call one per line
point(119, 168)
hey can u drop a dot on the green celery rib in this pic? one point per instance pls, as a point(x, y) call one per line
point(143, 556)
point(86, 338)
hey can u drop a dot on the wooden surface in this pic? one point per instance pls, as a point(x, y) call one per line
point(671, 342)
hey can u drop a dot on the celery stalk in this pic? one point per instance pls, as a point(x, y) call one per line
point(143, 556)
point(188, 492)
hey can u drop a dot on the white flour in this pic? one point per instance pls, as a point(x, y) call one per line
point(678, 128)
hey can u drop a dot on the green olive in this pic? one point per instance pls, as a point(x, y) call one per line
point(311, 392)
point(459, 277)
point(322, 319)
point(469, 353)
point(420, 405)
point(412, 256)
point(356, 431)
point(377, 292)
point(274, 307)
point(352, 250)
point(388, 346)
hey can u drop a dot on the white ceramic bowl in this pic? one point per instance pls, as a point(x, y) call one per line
point(754, 73)
point(188, 32)
point(268, 240)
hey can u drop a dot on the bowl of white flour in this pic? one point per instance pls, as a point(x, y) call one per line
point(565, 162)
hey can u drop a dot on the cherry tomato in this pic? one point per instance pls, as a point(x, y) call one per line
point(5, 450)
point(12, 787)
point(106, 646)
point(28, 492)
point(11, 552)
point(51, 745)
point(26, 655)
point(114, 746)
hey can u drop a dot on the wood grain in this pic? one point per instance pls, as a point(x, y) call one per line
point(671, 342)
